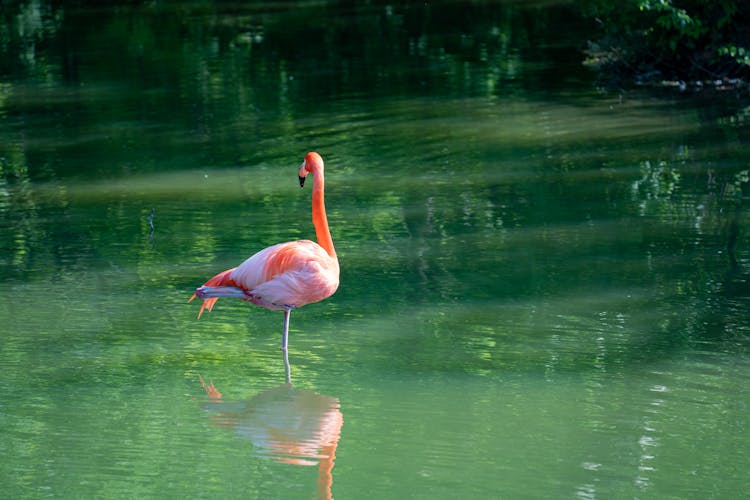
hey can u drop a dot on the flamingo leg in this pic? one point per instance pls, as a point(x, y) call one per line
point(287, 368)
point(285, 335)
point(211, 292)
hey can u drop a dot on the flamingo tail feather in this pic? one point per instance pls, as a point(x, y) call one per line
point(221, 279)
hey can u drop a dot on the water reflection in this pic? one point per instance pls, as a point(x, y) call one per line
point(292, 426)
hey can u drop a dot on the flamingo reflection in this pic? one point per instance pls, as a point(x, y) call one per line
point(292, 426)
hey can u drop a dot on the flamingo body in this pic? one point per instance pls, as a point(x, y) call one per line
point(287, 275)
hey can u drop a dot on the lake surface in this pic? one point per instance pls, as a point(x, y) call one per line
point(545, 287)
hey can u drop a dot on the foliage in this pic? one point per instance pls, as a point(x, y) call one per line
point(657, 181)
point(667, 39)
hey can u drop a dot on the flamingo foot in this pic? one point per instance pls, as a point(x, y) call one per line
point(260, 301)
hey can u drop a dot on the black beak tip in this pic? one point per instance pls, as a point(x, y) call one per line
point(301, 182)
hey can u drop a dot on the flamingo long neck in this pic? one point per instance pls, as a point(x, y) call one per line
point(320, 221)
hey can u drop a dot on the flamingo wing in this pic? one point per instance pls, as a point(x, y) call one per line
point(289, 274)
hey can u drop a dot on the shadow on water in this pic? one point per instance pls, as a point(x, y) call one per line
point(291, 426)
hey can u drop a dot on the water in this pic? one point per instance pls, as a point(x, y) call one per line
point(544, 287)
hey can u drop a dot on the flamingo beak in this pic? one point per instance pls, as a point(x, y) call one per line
point(302, 174)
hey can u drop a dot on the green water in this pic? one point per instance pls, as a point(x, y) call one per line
point(545, 288)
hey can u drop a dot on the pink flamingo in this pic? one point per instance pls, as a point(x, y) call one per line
point(288, 275)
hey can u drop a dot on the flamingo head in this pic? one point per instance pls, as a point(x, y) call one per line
point(313, 163)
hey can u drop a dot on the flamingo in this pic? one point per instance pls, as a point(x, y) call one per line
point(288, 275)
